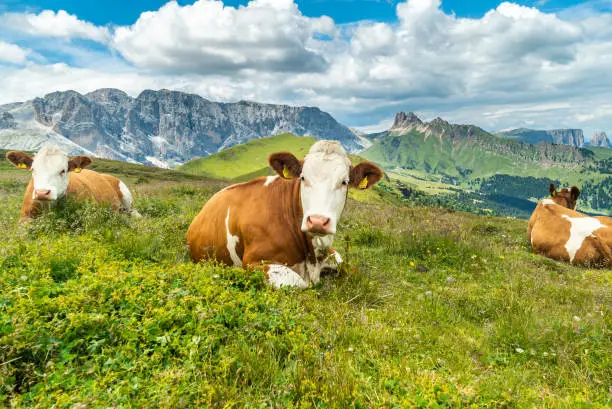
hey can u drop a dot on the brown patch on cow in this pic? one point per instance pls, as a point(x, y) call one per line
point(285, 164)
point(365, 170)
point(20, 159)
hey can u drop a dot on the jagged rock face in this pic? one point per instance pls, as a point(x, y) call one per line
point(7, 121)
point(599, 139)
point(404, 120)
point(571, 137)
point(171, 127)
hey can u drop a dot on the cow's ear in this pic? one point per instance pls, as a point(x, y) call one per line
point(365, 175)
point(285, 164)
point(20, 159)
point(575, 192)
point(553, 191)
point(76, 163)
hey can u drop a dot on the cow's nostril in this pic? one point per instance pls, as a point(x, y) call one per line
point(326, 222)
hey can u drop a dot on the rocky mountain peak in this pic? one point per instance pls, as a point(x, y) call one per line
point(162, 127)
point(404, 120)
point(601, 139)
point(439, 122)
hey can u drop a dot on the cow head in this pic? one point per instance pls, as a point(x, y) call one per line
point(566, 197)
point(325, 175)
point(50, 168)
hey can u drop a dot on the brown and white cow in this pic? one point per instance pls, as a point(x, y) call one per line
point(55, 175)
point(556, 230)
point(284, 223)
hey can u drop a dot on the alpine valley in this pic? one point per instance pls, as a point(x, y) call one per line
point(431, 163)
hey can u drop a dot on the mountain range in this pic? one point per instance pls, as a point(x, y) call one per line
point(164, 128)
point(475, 170)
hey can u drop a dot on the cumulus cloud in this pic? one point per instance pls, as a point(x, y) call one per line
point(49, 23)
point(12, 53)
point(515, 65)
point(208, 37)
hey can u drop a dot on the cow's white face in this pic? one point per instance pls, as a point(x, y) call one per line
point(50, 171)
point(323, 188)
point(325, 176)
point(50, 174)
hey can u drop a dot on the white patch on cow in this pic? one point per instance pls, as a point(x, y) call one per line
point(325, 176)
point(127, 200)
point(532, 230)
point(270, 179)
point(50, 172)
point(581, 228)
point(548, 202)
point(282, 276)
point(232, 242)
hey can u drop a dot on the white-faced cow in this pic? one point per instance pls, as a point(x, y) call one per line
point(55, 175)
point(284, 223)
point(556, 230)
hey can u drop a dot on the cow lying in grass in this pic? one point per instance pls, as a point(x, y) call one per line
point(556, 230)
point(285, 223)
point(55, 175)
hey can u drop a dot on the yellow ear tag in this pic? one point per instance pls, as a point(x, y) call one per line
point(22, 166)
point(286, 173)
point(364, 183)
point(554, 193)
point(77, 170)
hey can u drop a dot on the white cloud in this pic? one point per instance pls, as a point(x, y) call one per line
point(515, 65)
point(208, 37)
point(49, 23)
point(12, 53)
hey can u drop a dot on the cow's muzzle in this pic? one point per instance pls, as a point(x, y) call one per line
point(42, 194)
point(318, 224)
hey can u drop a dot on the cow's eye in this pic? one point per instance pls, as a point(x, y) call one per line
point(63, 172)
point(302, 178)
point(344, 183)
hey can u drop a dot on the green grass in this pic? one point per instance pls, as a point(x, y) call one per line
point(442, 310)
point(250, 158)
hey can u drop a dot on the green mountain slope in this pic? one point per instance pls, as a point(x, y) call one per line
point(490, 171)
point(250, 158)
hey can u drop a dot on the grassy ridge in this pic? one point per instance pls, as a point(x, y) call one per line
point(249, 158)
point(444, 310)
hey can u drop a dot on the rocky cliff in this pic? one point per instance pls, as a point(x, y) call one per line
point(163, 127)
point(571, 137)
point(599, 139)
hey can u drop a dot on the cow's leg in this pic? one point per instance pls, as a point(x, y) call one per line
point(279, 276)
point(127, 201)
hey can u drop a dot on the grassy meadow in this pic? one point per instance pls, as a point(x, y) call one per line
point(439, 309)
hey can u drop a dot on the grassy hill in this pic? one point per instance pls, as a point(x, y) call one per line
point(249, 159)
point(442, 310)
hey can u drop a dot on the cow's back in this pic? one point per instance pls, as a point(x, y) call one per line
point(98, 187)
point(249, 222)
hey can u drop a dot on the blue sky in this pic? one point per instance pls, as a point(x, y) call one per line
point(533, 63)
point(124, 12)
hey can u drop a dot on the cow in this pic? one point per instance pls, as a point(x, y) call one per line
point(55, 175)
point(284, 223)
point(556, 230)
